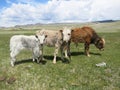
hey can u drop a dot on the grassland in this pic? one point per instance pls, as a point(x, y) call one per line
point(80, 74)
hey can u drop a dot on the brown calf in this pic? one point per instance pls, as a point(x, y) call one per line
point(87, 36)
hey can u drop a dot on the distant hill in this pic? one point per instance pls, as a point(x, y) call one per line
point(105, 21)
point(37, 24)
point(106, 25)
point(27, 25)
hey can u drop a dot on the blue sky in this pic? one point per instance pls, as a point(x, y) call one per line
point(7, 3)
point(3, 3)
point(20, 12)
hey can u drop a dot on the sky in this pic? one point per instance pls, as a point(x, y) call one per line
point(21, 12)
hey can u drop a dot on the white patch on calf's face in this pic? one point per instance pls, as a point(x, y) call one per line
point(41, 38)
point(66, 34)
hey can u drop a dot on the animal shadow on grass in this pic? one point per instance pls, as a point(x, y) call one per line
point(95, 53)
point(50, 57)
point(29, 61)
point(82, 53)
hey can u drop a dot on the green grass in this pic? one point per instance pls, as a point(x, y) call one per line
point(80, 74)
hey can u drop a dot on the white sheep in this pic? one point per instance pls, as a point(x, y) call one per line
point(20, 42)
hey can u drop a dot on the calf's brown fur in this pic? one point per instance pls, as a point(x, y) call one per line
point(88, 36)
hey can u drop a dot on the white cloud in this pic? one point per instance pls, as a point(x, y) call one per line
point(105, 9)
point(59, 11)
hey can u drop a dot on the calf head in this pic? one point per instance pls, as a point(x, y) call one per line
point(66, 32)
point(100, 44)
point(41, 38)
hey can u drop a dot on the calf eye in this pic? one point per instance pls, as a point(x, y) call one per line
point(68, 33)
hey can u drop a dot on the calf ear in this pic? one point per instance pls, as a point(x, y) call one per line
point(103, 40)
point(45, 36)
point(97, 41)
point(36, 36)
point(61, 31)
point(72, 30)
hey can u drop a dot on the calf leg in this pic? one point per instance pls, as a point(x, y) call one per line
point(13, 61)
point(33, 57)
point(87, 49)
point(40, 58)
point(61, 51)
point(37, 55)
point(41, 54)
point(13, 55)
point(55, 54)
point(66, 53)
point(68, 48)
